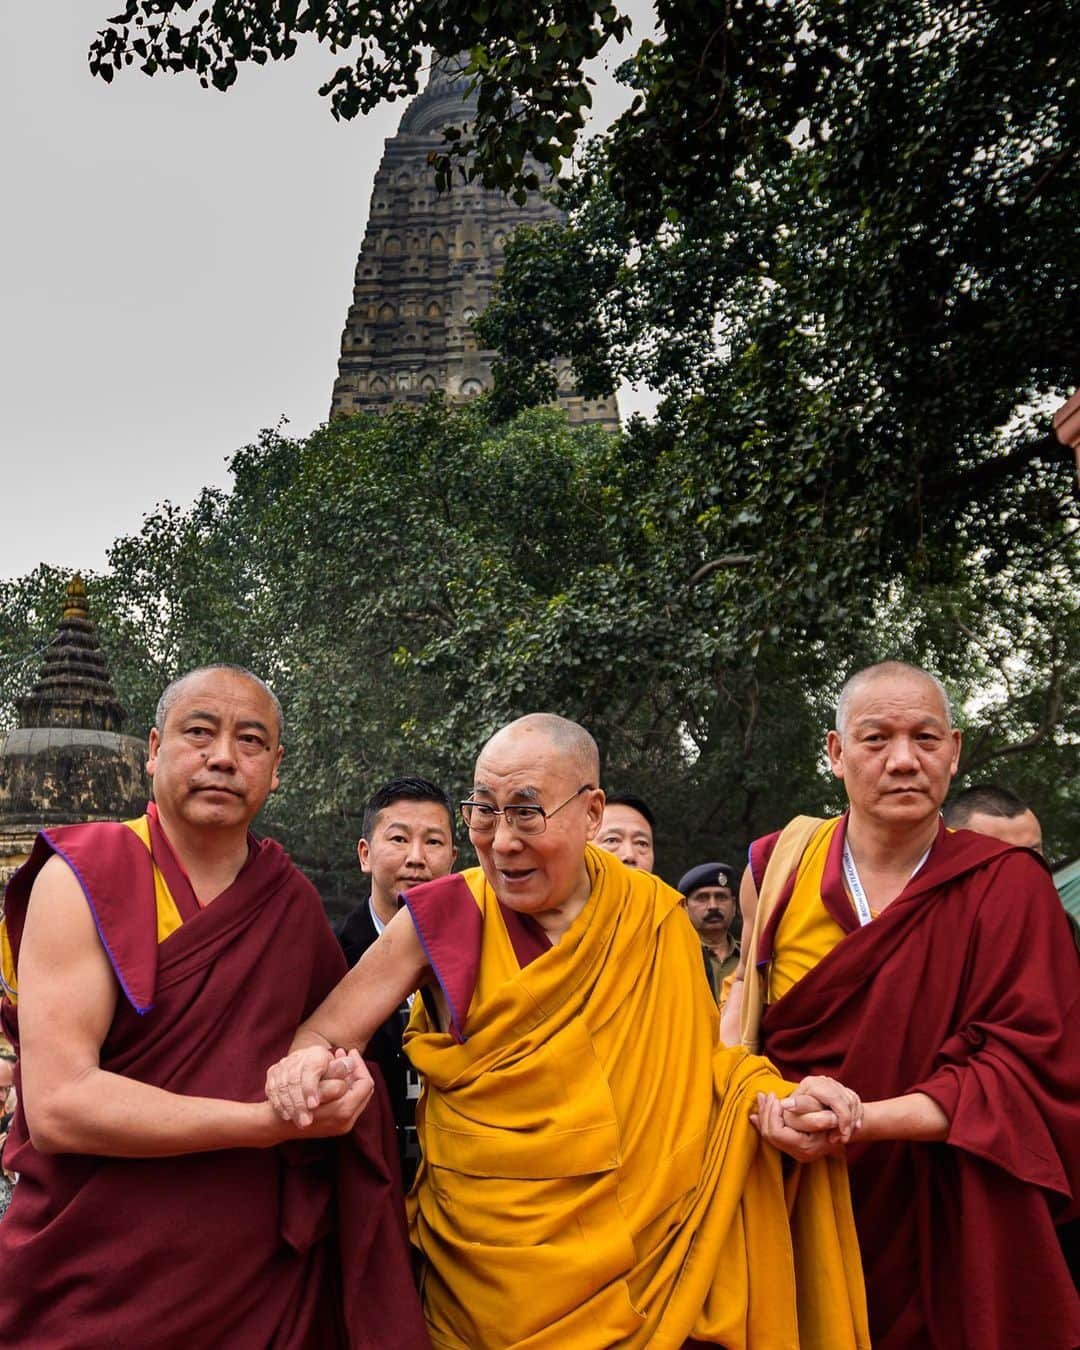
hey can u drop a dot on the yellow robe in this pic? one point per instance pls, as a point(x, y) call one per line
point(590, 1175)
point(807, 932)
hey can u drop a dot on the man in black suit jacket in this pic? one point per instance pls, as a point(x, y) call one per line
point(408, 838)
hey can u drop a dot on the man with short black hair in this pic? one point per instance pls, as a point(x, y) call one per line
point(628, 830)
point(989, 809)
point(711, 893)
point(408, 839)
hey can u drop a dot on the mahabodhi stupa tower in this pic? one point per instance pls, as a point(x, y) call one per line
point(426, 267)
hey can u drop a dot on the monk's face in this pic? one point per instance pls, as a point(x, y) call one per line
point(898, 754)
point(626, 833)
point(216, 759)
point(535, 872)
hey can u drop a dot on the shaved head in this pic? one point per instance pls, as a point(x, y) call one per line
point(552, 763)
point(885, 670)
point(568, 738)
point(986, 799)
point(989, 809)
point(173, 691)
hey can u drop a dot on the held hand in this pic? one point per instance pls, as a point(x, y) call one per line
point(345, 1069)
point(338, 1114)
point(292, 1084)
point(821, 1104)
point(802, 1145)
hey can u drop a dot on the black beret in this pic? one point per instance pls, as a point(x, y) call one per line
point(709, 874)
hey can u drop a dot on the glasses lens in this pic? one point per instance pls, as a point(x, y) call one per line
point(480, 819)
point(527, 819)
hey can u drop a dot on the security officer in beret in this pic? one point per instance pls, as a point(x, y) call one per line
point(711, 893)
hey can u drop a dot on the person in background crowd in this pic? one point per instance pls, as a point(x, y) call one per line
point(408, 839)
point(711, 894)
point(627, 830)
point(932, 972)
point(988, 809)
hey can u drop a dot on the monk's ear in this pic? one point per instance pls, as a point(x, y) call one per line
point(957, 739)
point(153, 745)
point(834, 747)
point(275, 779)
point(594, 812)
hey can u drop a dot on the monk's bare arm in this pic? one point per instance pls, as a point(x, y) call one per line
point(730, 1021)
point(392, 968)
point(815, 1119)
point(914, 1116)
point(67, 999)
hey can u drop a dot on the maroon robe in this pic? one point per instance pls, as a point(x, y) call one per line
point(966, 988)
point(298, 1247)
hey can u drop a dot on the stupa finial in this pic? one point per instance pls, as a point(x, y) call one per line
point(74, 604)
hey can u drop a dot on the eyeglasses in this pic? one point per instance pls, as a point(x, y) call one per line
point(523, 817)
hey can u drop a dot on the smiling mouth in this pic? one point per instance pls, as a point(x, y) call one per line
point(520, 875)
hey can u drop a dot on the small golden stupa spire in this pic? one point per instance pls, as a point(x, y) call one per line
point(74, 603)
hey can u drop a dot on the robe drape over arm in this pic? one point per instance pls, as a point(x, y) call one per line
point(298, 1247)
point(590, 1175)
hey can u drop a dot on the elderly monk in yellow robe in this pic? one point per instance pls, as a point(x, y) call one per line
point(590, 1173)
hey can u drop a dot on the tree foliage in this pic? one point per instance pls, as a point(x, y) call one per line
point(839, 239)
point(408, 583)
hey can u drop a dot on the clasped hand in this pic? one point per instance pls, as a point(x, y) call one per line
point(320, 1090)
point(819, 1117)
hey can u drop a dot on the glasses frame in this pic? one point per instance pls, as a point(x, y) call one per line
point(509, 813)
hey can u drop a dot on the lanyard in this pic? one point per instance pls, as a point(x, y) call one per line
point(855, 886)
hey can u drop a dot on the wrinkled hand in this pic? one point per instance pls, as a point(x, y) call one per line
point(302, 1083)
point(802, 1145)
point(821, 1104)
point(338, 1113)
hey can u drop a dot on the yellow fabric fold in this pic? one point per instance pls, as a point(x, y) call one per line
point(168, 916)
point(807, 932)
point(8, 980)
point(789, 849)
point(591, 1177)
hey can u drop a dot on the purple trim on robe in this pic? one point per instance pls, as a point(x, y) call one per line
point(758, 855)
point(141, 1007)
point(450, 926)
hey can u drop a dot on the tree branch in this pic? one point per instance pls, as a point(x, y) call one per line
point(979, 478)
point(728, 560)
point(1055, 696)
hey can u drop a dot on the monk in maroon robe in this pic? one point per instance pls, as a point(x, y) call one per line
point(932, 972)
point(151, 967)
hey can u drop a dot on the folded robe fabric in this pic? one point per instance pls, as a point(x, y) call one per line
point(591, 1177)
point(299, 1247)
point(967, 988)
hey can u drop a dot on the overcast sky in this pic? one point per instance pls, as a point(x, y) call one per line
point(175, 269)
